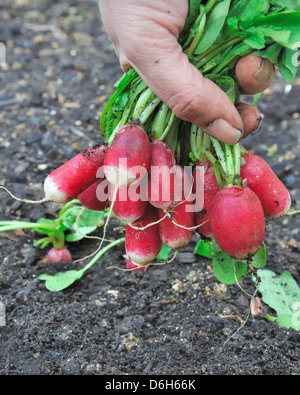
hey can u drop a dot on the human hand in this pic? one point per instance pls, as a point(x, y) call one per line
point(145, 37)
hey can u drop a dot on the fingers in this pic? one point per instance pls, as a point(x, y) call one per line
point(254, 74)
point(169, 74)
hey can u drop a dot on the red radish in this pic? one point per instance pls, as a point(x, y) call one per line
point(128, 157)
point(175, 231)
point(133, 267)
point(238, 221)
point(143, 245)
point(273, 194)
point(129, 204)
point(161, 175)
point(56, 255)
point(206, 183)
point(94, 200)
point(69, 180)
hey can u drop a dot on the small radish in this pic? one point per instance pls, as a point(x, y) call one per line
point(128, 157)
point(56, 255)
point(69, 180)
point(176, 230)
point(130, 202)
point(206, 183)
point(238, 221)
point(274, 196)
point(92, 199)
point(161, 175)
point(143, 245)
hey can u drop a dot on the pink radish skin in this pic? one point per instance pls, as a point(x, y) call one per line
point(238, 222)
point(89, 198)
point(57, 255)
point(67, 181)
point(128, 157)
point(171, 235)
point(210, 189)
point(274, 196)
point(161, 175)
point(126, 209)
point(143, 246)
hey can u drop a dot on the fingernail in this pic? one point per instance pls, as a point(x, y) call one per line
point(265, 71)
point(223, 131)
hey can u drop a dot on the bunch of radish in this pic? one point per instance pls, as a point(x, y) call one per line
point(162, 202)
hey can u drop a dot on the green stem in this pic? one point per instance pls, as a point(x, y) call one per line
point(237, 163)
point(23, 225)
point(209, 5)
point(168, 126)
point(67, 205)
point(142, 102)
point(148, 110)
point(210, 53)
point(229, 165)
point(159, 120)
point(216, 167)
point(220, 153)
point(199, 33)
point(101, 252)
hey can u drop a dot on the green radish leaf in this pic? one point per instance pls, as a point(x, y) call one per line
point(260, 258)
point(214, 25)
point(164, 253)
point(286, 5)
point(204, 248)
point(282, 27)
point(253, 10)
point(272, 52)
point(61, 280)
point(81, 223)
point(226, 269)
point(256, 97)
point(282, 294)
point(288, 64)
point(229, 270)
point(255, 39)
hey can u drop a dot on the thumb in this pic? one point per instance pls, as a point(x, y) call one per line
point(169, 74)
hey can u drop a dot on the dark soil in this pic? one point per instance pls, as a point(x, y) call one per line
point(172, 319)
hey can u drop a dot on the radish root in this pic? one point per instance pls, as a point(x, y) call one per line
point(102, 239)
point(44, 200)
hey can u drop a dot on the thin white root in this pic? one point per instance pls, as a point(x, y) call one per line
point(102, 239)
point(249, 313)
point(44, 200)
point(148, 225)
point(293, 212)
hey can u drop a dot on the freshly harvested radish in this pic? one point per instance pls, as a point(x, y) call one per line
point(56, 255)
point(144, 244)
point(92, 198)
point(128, 157)
point(204, 175)
point(238, 222)
point(273, 194)
point(176, 229)
point(70, 179)
point(161, 175)
point(130, 202)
